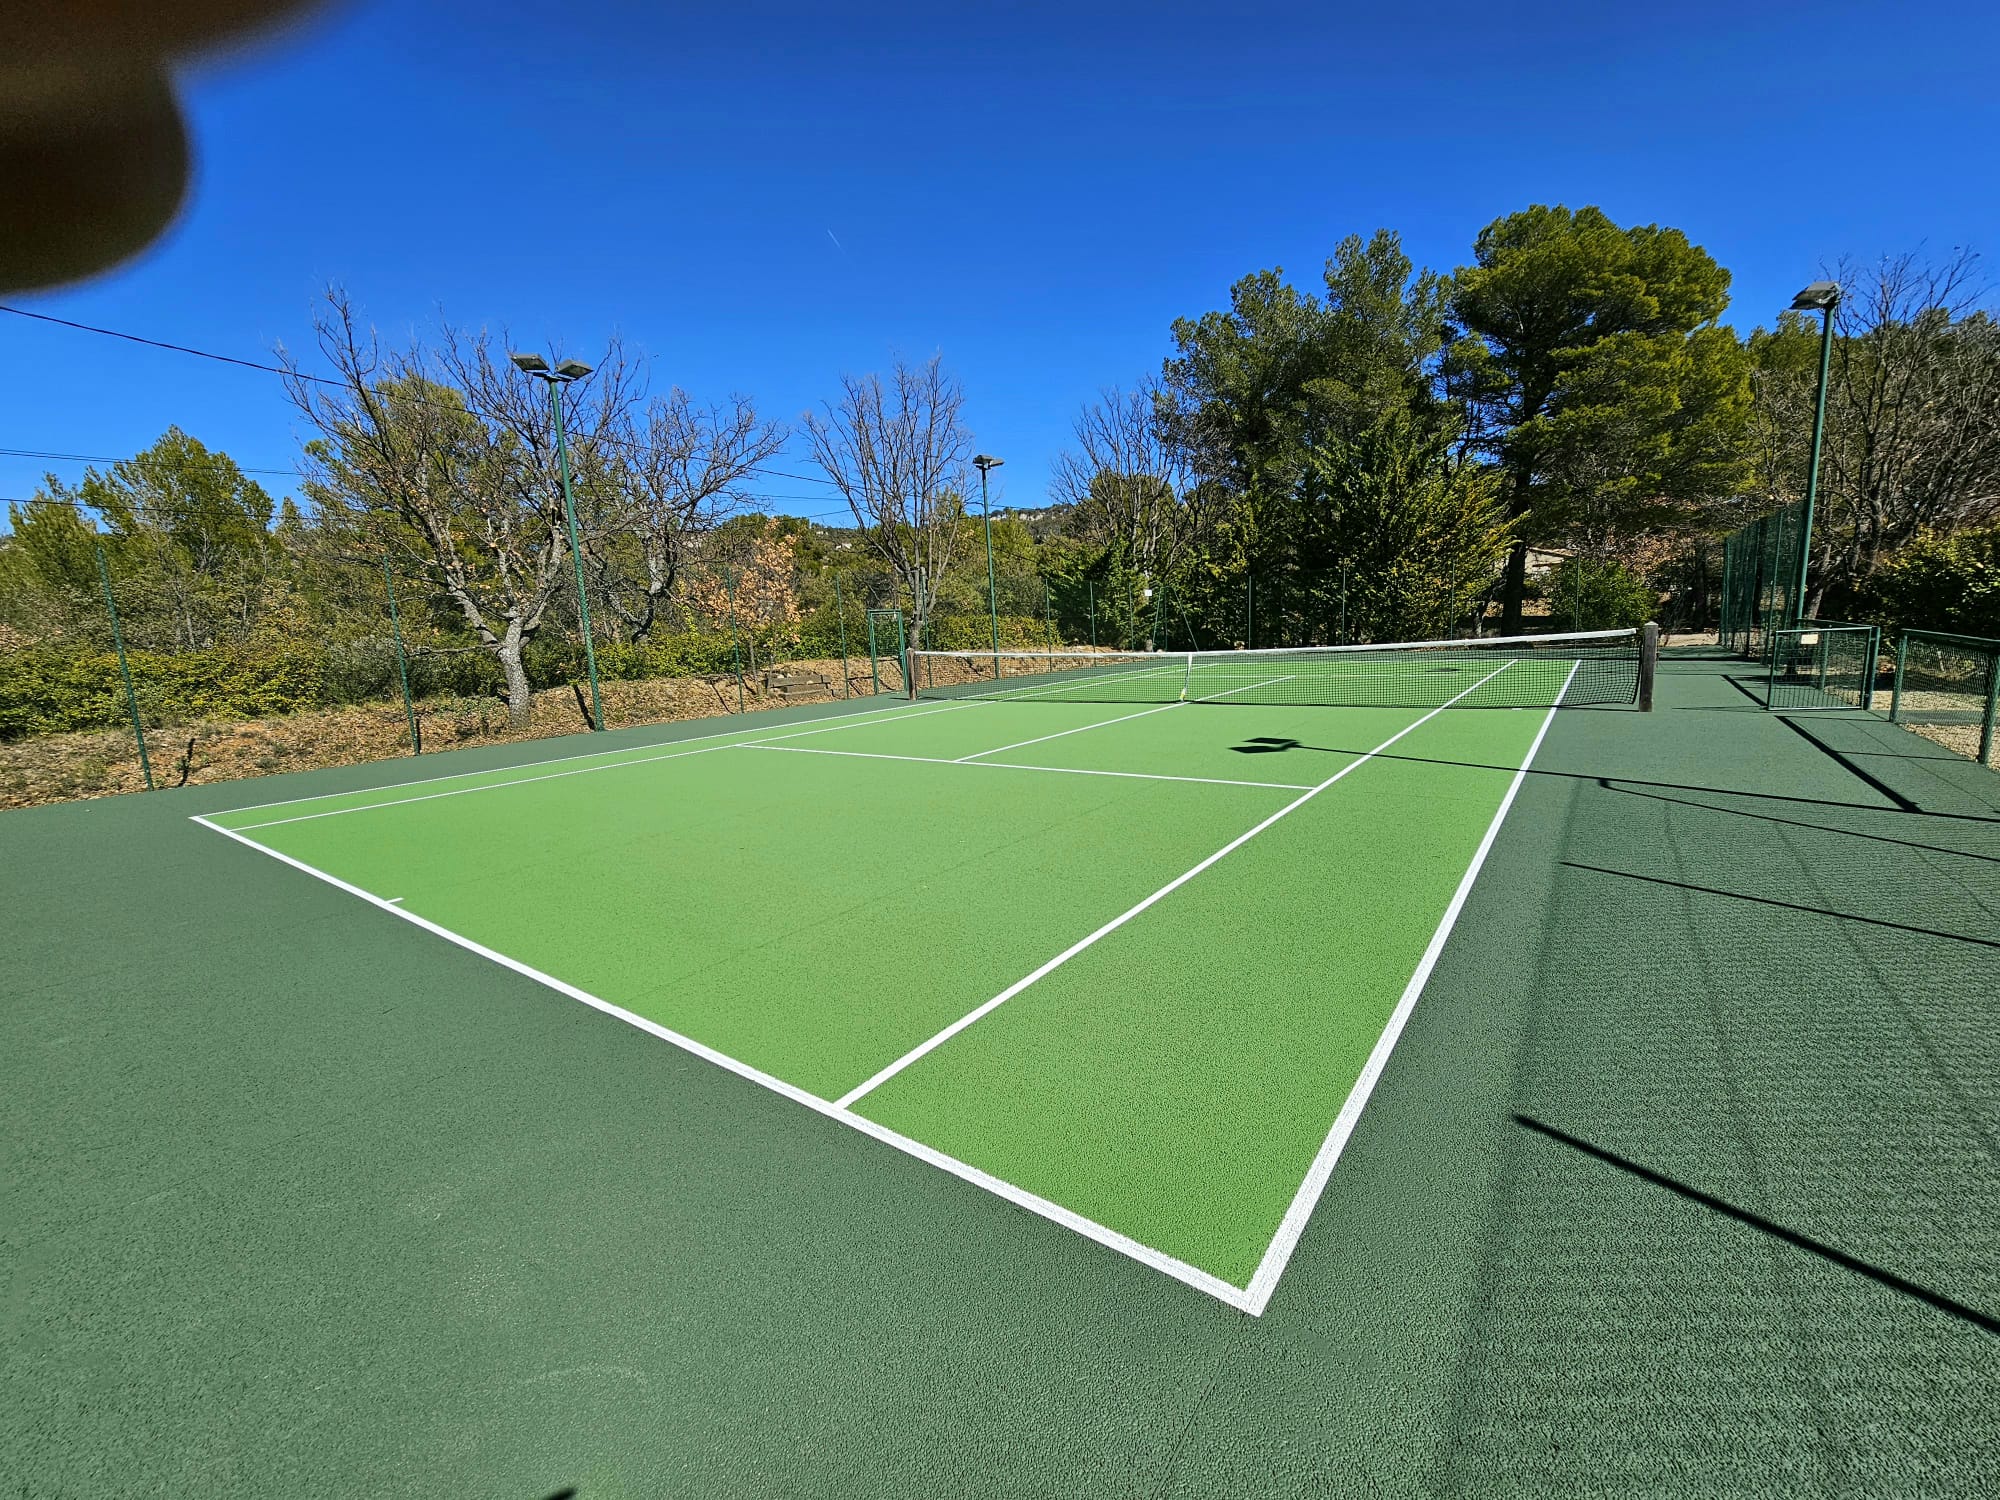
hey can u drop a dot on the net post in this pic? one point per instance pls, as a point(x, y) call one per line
point(1649, 661)
point(1896, 692)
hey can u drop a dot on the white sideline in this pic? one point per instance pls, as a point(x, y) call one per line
point(1008, 765)
point(1278, 1254)
point(1090, 1229)
point(923, 1049)
point(616, 765)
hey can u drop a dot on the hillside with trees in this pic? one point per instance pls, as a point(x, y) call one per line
point(1553, 435)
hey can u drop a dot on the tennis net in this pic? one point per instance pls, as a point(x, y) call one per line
point(1526, 671)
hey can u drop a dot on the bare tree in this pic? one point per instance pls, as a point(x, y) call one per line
point(1915, 394)
point(683, 469)
point(1128, 482)
point(898, 454)
point(445, 463)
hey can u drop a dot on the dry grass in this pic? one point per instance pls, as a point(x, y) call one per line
point(1960, 739)
point(102, 763)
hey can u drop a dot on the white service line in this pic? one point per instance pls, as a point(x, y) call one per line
point(1279, 1253)
point(1007, 765)
point(848, 1100)
point(1179, 1270)
point(617, 765)
point(1059, 734)
point(863, 716)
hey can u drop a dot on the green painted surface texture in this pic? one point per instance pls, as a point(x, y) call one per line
point(299, 1200)
point(1175, 1080)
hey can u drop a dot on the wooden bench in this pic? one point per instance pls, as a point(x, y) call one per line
point(787, 683)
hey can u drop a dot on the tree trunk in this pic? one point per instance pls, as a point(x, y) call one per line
point(1512, 590)
point(519, 696)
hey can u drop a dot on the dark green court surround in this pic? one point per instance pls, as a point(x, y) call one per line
point(1681, 1181)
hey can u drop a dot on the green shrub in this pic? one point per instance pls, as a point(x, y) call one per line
point(1583, 594)
point(1941, 583)
point(48, 690)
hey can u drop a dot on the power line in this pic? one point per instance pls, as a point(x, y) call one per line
point(341, 385)
point(85, 507)
point(133, 338)
point(100, 458)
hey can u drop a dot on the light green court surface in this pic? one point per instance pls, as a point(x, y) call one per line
point(827, 907)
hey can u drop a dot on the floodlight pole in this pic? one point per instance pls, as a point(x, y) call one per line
point(535, 366)
point(1826, 297)
point(575, 552)
point(987, 461)
point(124, 667)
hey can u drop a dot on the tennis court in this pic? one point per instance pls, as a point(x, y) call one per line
point(1679, 1179)
point(1134, 969)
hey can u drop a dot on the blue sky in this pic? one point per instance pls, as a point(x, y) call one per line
point(1034, 190)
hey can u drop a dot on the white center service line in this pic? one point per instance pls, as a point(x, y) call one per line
point(1081, 728)
point(847, 1100)
point(1247, 687)
point(1007, 765)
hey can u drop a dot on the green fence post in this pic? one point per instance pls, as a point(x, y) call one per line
point(1048, 631)
point(402, 666)
point(735, 650)
point(840, 612)
point(1249, 613)
point(124, 668)
point(1874, 666)
point(1992, 708)
point(1896, 692)
point(874, 659)
point(1091, 590)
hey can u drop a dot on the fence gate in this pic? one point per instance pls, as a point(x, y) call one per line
point(888, 651)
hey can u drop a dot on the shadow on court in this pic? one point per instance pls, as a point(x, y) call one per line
point(1763, 1225)
point(1899, 802)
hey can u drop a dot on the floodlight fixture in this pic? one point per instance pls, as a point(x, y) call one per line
point(572, 369)
point(986, 463)
point(1821, 296)
point(532, 364)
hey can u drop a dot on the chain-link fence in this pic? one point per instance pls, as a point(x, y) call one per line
point(117, 674)
point(1760, 581)
point(1947, 689)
